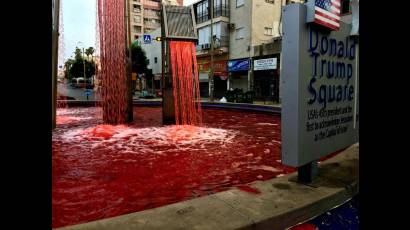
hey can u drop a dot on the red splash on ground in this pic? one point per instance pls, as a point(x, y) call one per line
point(306, 226)
point(102, 131)
point(248, 189)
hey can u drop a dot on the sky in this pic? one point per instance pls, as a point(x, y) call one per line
point(79, 23)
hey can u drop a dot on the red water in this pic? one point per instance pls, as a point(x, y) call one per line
point(101, 171)
point(185, 83)
point(111, 32)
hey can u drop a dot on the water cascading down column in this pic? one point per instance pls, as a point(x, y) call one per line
point(181, 98)
point(112, 31)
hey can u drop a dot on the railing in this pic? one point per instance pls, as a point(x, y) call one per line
point(152, 4)
point(152, 24)
point(151, 13)
point(222, 41)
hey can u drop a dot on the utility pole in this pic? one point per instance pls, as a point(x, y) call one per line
point(211, 71)
point(55, 60)
point(84, 66)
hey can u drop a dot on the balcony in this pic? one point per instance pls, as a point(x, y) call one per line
point(221, 45)
point(152, 4)
point(152, 24)
point(152, 14)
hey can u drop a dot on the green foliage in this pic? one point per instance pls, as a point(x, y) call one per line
point(74, 68)
point(90, 51)
point(78, 55)
point(139, 59)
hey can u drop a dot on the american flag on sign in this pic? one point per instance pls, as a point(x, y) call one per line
point(327, 13)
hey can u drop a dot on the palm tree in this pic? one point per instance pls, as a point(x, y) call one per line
point(89, 51)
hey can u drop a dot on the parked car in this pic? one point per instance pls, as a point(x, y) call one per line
point(81, 83)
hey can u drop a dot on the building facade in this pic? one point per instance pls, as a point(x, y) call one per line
point(255, 39)
point(153, 53)
point(145, 16)
point(220, 36)
point(247, 46)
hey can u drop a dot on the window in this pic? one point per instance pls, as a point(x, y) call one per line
point(137, 29)
point(155, 59)
point(268, 31)
point(345, 7)
point(240, 3)
point(202, 12)
point(137, 19)
point(204, 35)
point(270, 1)
point(239, 33)
point(221, 8)
point(136, 8)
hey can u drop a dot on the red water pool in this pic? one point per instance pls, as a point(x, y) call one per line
point(102, 171)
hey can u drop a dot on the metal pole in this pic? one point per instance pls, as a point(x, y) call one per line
point(55, 61)
point(128, 62)
point(307, 172)
point(84, 65)
point(211, 72)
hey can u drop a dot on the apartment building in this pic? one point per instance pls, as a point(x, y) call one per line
point(220, 36)
point(145, 16)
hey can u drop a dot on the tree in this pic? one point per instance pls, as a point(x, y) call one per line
point(78, 54)
point(74, 68)
point(139, 59)
point(89, 51)
point(68, 64)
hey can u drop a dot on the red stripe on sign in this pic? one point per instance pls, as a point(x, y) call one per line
point(327, 16)
point(333, 27)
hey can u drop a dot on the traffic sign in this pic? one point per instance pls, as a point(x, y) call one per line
point(88, 92)
point(147, 38)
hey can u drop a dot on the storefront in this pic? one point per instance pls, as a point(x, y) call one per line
point(266, 77)
point(220, 77)
point(238, 73)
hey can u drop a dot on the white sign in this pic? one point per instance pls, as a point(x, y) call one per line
point(264, 64)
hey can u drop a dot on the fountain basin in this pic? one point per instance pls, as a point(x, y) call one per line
point(105, 171)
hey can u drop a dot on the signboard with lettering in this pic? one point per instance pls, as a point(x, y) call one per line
point(238, 65)
point(220, 67)
point(319, 88)
point(265, 64)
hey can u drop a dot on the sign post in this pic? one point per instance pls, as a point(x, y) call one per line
point(319, 91)
point(88, 92)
